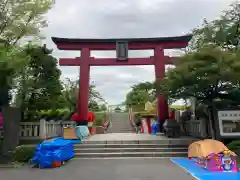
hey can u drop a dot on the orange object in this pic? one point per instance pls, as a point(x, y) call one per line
point(56, 164)
point(69, 133)
point(203, 148)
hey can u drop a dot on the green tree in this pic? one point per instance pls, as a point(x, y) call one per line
point(137, 99)
point(12, 62)
point(39, 86)
point(147, 86)
point(209, 71)
point(103, 107)
point(209, 74)
point(139, 95)
point(19, 20)
point(93, 106)
point(22, 18)
point(70, 94)
point(223, 32)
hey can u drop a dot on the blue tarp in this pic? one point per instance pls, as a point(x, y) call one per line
point(57, 149)
point(203, 174)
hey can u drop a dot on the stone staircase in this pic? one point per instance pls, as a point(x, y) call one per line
point(120, 123)
point(133, 149)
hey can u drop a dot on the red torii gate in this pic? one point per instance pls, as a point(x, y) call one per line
point(159, 60)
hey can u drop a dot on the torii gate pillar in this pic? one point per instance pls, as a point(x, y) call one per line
point(162, 104)
point(83, 93)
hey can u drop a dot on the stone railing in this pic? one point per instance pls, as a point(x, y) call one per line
point(38, 130)
point(45, 129)
point(196, 128)
point(28, 130)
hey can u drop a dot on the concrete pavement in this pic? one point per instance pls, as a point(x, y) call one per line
point(102, 169)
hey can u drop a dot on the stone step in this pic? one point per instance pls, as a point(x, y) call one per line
point(112, 150)
point(119, 129)
point(87, 146)
point(117, 158)
point(168, 141)
point(130, 154)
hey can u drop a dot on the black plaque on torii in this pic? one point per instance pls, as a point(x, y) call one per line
point(122, 50)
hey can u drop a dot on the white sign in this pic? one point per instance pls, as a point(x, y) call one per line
point(229, 123)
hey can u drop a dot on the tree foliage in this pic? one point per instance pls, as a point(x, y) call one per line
point(70, 95)
point(19, 19)
point(207, 74)
point(211, 69)
point(38, 86)
point(12, 62)
point(223, 32)
point(139, 95)
point(22, 18)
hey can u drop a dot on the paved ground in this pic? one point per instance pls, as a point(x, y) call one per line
point(132, 169)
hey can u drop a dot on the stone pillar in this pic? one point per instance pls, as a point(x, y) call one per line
point(82, 104)
point(162, 105)
point(42, 129)
point(11, 130)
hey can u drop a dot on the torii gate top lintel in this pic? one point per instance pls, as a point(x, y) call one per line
point(133, 43)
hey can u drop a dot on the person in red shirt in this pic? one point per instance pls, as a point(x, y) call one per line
point(172, 115)
point(75, 117)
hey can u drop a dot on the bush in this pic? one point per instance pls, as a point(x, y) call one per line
point(51, 114)
point(234, 146)
point(57, 114)
point(100, 118)
point(24, 153)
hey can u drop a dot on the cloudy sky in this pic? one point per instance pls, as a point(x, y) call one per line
point(124, 19)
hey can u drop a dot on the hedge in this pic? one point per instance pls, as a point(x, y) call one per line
point(100, 117)
point(24, 153)
point(235, 146)
point(62, 114)
point(57, 114)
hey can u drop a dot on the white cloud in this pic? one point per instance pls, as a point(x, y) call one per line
point(124, 18)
